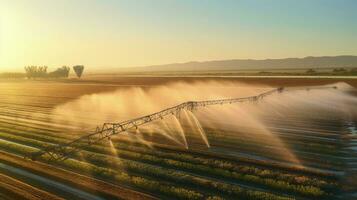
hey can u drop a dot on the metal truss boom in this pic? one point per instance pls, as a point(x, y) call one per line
point(61, 152)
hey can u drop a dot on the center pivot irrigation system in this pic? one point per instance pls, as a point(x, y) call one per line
point(63, 151)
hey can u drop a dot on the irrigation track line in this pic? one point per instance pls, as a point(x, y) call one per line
point(23, 190)
point(61, 152)
point(76, 180)
point(77, 193)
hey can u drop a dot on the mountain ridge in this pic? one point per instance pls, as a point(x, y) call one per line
point(343, 61)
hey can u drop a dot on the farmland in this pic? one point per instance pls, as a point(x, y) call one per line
point(299, 145)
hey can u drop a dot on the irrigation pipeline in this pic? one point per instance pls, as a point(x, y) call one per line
point(62, 151)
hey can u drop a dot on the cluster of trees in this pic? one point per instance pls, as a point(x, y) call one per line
point(62, 72)
point(352, 71)
point(36, 71)
point(78, 69)
point(340, 70)
point(33, 72)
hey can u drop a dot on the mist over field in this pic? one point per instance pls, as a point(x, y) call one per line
point(117, 107)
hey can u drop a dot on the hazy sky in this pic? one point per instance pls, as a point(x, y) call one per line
point(105, 34)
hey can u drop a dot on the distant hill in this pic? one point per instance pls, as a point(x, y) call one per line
point(248, 64)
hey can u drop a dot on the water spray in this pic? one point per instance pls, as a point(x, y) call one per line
point(63, 151)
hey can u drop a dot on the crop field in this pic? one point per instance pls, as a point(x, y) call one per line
point(294, 145)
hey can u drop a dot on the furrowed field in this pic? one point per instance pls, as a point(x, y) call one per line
point(296, 151)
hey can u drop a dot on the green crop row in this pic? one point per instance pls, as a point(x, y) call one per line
point(36, 134)
point(237, 161)
point(231, 166)
point(51, 137)
point(200, 169)
point(177, 176)
point(310, 146)
point(188, 158)
point(151, 156)
point(252, 147)
point(86, 168)
point(140, 182)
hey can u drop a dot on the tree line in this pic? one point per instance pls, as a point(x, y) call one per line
point(12, 75)
point(33, 72)
point(337, 71)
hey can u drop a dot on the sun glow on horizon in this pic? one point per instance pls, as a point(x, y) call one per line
point(110, 34)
